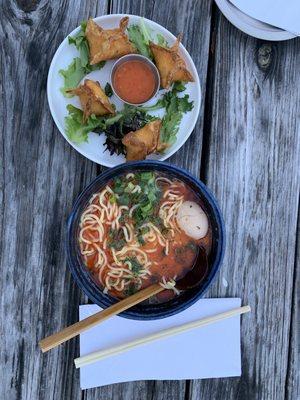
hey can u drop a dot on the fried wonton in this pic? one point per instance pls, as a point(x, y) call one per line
point(93, 99)
point(170, 64)
point(143, 141)
point(107, 44)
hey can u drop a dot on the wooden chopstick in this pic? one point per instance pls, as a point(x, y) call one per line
point(112, 351)
point(71, 331)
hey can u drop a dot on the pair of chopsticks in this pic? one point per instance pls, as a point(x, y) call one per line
point(112, 351)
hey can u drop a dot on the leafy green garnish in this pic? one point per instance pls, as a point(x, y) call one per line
point(116, 239)
point(145, 31)
point(136, 36)
point(115, 127)
point(80, 66)
point(112, 199)
point(72, 76)
point(178, 86)
point(147, 199)
point(131, 289)
point(136, 267)
point(175, 108)
point(81, 44)
point(161, 41)
point(124, 200)
point(146, 176)
point(117, 244)
point(77, 130)
point(141, 239)
point(108, 90)
point(131, 119)
point(140, 36)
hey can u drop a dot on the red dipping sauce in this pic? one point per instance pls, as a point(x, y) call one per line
point(134, 81)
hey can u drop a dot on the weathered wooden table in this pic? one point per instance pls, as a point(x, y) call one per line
point(245, 147)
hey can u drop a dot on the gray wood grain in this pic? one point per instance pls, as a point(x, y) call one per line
point(293, 372)
point(41, 176)
point(246, 145)
point(253, 168)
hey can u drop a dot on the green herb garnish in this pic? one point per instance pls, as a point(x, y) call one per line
point(115, 127)
point(116, 239)
point(175, 108)
point(108, 90)
point(77, 130)
point(130, 290)
point(136, 267)
point(141, 36)
point(140, 41)
point(141, 239)
point(112, 199)
point(161, 41)
point(178, 87)
point(131, 119)
point(124, 200)
point(80, 66)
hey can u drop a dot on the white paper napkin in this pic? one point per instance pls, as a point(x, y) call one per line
point(284, 14)
point(209, 352)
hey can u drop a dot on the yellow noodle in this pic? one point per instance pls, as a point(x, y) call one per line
point(81, 238)
point(171, 192)
point(163, 179)
point(130, 230)
point(115, 256)
point(137, 189)
point(132, 209)
point(127, 238)
point(101, 212)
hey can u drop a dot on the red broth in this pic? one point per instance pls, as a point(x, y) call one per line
point(114, 250)
point(134, 81)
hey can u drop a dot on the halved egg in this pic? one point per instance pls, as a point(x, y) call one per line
point(192, 219)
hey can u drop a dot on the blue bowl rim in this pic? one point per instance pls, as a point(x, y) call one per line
point(164, 167)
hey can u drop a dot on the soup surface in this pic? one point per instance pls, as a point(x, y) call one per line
point(134, 81)
point(130, 235)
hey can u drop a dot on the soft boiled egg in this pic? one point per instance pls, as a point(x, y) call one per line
point(192, 220)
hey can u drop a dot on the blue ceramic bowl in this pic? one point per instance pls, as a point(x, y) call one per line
point(145, 311)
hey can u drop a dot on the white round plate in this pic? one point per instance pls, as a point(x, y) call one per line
point(94, 149)
point(250, 25)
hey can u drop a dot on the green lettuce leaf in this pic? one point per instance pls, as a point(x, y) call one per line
point(137, 37)
point(140, 36)
point(80, 66)
point(131, 118)
point(72, 76)
point(161, 41)
point(76, 129)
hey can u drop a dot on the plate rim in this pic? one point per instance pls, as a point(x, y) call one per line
point(62, 130)
point(251, 30)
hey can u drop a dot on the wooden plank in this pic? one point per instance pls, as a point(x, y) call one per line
point(192, 18)
point(293, 377)
point(252, 166)
point(41, 177)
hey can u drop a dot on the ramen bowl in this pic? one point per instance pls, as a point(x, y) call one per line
point(145, 311)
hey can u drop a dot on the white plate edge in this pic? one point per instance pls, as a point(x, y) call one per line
point(186, 53)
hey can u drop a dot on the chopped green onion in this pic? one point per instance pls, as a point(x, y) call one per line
point(124, 200)
point(129, 188)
